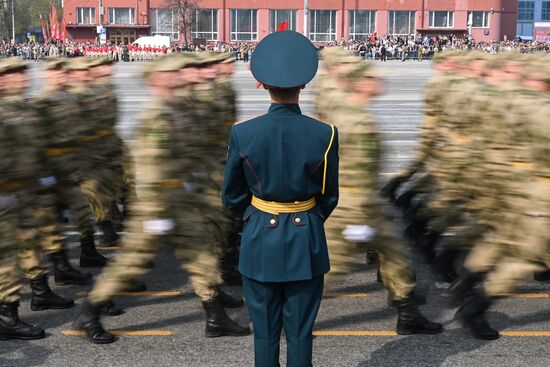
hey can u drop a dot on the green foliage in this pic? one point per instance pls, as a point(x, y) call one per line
point(27, 15)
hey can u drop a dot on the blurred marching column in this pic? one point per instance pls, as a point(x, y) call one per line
point(343, 90)
point(175, 162)
point(58, 110)
point(18, 161)
point(516, 205)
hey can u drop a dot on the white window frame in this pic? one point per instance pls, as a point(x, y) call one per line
point(80, 15)
point(545, 10)
point(174, 35)
point(233, 20)
point(412, 15)
point(332, 35)
point(131, 15)
point(353, 24)
point(214, 35)
point(450, 16)
point(531, 2)
point(292, 21)
point(486, 19)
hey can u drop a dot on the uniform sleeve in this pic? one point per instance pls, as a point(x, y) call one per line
point(329, 200)
point(236, 196)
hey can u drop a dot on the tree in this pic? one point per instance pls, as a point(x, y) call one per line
point(185, 15)
point(27, 15)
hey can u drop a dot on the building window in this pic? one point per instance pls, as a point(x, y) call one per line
point(322, 25)
point(478, 19)
point(244, 24)
point(524, 30)
point(205, 24)
point(278, 16)
point(545, 11)
point(441, 19)
point(122, 15)
point(85, 15)
point(402, 22)
point(526, 10)
point(164, 22)
point(362, 24)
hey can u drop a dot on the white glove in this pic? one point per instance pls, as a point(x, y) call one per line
point(359, 233)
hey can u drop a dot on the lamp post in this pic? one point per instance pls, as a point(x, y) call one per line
point(306, 13)
point(13, 21)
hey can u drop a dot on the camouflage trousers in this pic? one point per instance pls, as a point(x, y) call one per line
point(395, 268)
point(101, 191)
point(518, 245)
point(10, 281)
point(186, 223)
point(128, 174)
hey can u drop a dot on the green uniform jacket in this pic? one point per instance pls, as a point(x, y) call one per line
point(280, 157)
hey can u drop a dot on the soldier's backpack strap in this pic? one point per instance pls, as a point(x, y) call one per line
point(326, 160)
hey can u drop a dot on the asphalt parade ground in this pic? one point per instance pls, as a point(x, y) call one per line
point(165, 325)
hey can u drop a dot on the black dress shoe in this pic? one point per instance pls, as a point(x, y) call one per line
point(88, 320)
point(218, 323)
point(44, 299)
point(11, 327)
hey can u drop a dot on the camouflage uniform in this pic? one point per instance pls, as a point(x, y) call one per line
point(359, 169)
point(178, 177)
point(58, 111)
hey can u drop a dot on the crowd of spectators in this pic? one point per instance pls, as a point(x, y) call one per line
point(375, 48)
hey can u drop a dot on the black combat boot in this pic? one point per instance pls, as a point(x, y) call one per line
point(418, 299)
point(542, 276)
point(44, 299)
point(228, 301)
point(218, 323)
point(89, 257)
point(88, 320)
point(110, 237)
point(443, 265)
point(135, 286)
point(11, 327)
point(110, 309)
point(465, 283)
point(65, 274)
point(410, 320)
point(372, 257)
point(472, 312)
point(426, 244)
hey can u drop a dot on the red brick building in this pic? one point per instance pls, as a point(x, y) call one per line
point(326, 20)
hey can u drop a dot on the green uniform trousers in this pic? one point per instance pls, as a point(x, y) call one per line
point(292, 305)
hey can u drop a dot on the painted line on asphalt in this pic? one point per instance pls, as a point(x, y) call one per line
point(519, 295)
point(344, 294)
point(393, 333)
point(125, 332)
point(143, 294)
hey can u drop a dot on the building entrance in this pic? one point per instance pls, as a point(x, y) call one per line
point(125, 36)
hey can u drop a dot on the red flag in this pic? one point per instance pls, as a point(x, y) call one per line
point(283, 26)
point(372, 37)
point(54, 23)
point(63, 30)
point(44, 30)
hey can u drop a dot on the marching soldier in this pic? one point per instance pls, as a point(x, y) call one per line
point(343, 89)
point(173, 158)
point(57, 110)
point(282, 178)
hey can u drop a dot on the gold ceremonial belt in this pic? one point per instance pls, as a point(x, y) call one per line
point(100, 134)
point(276, 208)
point(57, 152)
